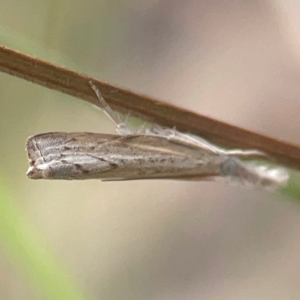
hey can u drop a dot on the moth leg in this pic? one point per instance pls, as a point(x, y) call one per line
point(172, 134)
point(119, 122)
point(200, 142)
point(234, 152)
point(143, 129)
point(246, 153)
point(176, 136)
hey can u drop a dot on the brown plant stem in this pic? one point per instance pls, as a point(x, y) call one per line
point(76, 84)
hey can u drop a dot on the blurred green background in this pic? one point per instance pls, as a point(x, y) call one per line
point(237, 61)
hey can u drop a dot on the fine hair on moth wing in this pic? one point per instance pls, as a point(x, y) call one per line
point(151, 152)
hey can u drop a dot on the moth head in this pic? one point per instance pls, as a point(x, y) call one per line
point(39, 172)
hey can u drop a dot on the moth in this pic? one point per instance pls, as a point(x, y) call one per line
point(149, 153)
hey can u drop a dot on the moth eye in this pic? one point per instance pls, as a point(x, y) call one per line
point(230, 166)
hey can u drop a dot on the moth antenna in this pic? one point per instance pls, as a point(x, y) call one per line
point(120, 124)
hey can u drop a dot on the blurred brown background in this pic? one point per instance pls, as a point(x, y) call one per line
point(237, 61)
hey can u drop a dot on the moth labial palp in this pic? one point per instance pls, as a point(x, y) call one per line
point(152, 152)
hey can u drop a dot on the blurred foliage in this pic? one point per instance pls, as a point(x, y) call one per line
point(293, 188)
point(28, 251)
